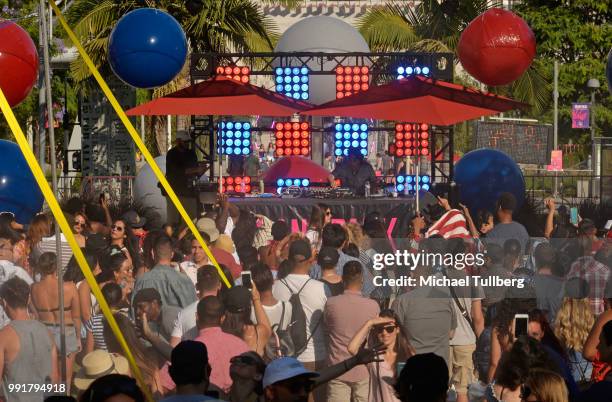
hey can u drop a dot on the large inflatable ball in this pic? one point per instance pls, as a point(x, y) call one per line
point(147, 195)
point(497, 47)
point(19, 192)
point(147, 48)
point(18, 62)
point(483, 174)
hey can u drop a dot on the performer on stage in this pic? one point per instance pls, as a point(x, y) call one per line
point(181, 164)
point(354, 172)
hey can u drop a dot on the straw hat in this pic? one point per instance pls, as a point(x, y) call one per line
point(97, 364)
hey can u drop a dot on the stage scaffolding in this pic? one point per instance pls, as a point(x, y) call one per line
point(382, 67)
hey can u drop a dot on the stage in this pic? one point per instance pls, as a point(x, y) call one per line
point(397, 211)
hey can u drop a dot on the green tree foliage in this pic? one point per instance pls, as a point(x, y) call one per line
point(436, 26)
point(220, 26)
point(578, 34)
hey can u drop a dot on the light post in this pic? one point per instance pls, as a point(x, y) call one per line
point(593, 84)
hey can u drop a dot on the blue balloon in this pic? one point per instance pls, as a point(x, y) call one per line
point(147, 48)
point(483, 174)
point(19, 192)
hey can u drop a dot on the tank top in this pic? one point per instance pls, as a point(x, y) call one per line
point(32, 365)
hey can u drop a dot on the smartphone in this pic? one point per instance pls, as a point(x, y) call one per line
point(574, 215)
point(246, 279)
point(521, 321)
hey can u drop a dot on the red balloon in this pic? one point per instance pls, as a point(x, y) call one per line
point(497, 47)
point(18, 62)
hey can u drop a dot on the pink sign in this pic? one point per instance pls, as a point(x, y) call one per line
point(556, 161)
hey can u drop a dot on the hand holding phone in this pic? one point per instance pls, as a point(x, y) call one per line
point(520, 324)
point(246, 279)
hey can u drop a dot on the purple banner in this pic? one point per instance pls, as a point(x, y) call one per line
point(580, 115)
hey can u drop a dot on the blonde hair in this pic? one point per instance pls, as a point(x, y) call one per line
point(547, 386)
point(573, 323)
point(356, 235)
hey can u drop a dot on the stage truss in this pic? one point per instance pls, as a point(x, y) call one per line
point(381, 65)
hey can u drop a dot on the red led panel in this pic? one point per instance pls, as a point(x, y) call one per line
point(242, 74)
point(351, 79)
point(236, 184)
point(292, 138)
point(411, 139)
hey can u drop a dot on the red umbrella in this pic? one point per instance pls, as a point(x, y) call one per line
point(418, 99)
point(221, 96)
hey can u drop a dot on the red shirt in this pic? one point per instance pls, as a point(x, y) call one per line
point(221, 348)
point(225, 258)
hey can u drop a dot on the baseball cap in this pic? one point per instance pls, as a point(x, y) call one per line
point(147, 295)
point(328, 256)
point(209, 227)
point(284, 368)
point(237, 299)
point(183, 135)
point(300, 247)
point(134, 220)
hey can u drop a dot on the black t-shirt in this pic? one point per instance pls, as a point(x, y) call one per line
point(177, 161)
point(335, 288)
point(355, 180)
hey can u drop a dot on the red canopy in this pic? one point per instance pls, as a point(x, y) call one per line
point(418, 99)
point(221, 96)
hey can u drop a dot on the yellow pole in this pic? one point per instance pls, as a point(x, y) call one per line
point(137, 140)
point(63, 224)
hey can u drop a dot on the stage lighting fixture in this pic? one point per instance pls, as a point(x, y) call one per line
point(290, 182)
point(234, 138)
point(236, 184)
point(405, 71)
point(237, 73)
point(411, 139)
point(292, 138)
point(349, 136)
point(408, 183)
point(351, 79)
point(293, 82)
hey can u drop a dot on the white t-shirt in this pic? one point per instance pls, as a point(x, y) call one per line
point(275, 313)
point(313, 298)
point(314, 238)
point(185, 324)
point(190, 268)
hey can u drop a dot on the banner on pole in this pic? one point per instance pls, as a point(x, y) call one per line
point(580, 115)
point(556, 161)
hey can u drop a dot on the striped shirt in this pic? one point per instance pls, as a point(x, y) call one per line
point(95, 326)
point(47, 244)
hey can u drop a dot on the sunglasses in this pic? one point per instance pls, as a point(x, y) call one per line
point(246, 360)
point(80, 224)
point(117, 228)
point(388, 328)
point(297, 385)
point(328, 213)
point(526, 392)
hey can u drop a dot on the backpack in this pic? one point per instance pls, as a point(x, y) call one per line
point(280, 343)
point(297, 326)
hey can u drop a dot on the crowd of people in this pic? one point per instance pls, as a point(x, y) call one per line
point(264, 314)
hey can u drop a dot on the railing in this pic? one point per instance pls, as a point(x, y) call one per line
point(571, 188)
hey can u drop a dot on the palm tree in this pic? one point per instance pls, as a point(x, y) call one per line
point(436, 26)
point(219, 26)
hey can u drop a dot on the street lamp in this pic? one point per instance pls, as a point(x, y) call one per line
point(593, 84)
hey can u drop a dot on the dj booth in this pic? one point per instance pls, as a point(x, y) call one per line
point(396, 211)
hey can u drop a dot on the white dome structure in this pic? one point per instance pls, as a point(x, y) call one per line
point(322, 34)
